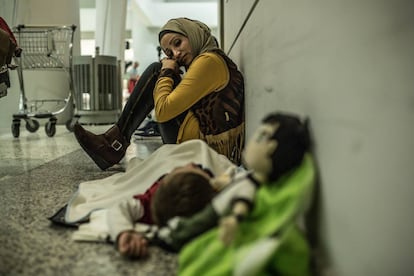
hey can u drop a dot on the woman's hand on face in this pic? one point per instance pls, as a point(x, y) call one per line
point(169, 63)
point(132, 244)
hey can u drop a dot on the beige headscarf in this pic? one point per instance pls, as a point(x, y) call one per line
point(198, 33)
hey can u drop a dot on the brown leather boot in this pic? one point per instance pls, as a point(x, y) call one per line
point(105, 149)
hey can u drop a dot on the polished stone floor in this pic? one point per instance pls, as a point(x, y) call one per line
point(37, 175)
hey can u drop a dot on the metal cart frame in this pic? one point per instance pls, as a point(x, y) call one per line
point(43, 48)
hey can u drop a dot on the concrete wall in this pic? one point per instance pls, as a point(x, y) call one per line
point(348, 65)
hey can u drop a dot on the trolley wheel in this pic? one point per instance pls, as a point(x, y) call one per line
point(50, 128)
point(70, 124)
point(32, 125)
point(15, 128)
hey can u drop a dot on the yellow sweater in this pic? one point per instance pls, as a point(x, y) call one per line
point(207, 73)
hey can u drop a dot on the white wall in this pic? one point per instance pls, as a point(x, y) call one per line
point(348, 65)
point(158, 13)
point(110, 27)
point(146, 17)
point(39, 84)
point(144, 36)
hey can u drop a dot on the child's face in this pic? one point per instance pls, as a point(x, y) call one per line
point(257, 155)
point(189, 168)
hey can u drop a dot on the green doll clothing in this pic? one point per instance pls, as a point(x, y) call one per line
point(268, 241)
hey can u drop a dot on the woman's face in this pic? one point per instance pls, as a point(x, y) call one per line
point(177, 47)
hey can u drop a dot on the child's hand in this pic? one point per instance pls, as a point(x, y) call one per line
point(230, 223)
point(132, 244)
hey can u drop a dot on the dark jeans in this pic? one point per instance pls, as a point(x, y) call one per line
point(141, 103)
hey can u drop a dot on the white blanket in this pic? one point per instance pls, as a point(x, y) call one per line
point(139, 175)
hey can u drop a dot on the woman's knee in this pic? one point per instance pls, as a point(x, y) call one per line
point(153, 70)
point(155, 66)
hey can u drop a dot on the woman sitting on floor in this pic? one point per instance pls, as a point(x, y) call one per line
point(207, 103)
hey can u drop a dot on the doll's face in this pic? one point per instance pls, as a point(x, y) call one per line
point(257, 155)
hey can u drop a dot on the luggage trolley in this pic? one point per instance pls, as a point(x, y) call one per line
point(43, 48)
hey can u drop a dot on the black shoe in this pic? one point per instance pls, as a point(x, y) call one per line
point(152, 131)
point(150, 124)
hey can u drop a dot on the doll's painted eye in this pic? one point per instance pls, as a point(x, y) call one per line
point(262, 136)
point(264, 133)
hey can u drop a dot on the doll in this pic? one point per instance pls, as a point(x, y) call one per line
point(276, 148)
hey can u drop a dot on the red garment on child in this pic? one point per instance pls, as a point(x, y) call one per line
point(145, 199)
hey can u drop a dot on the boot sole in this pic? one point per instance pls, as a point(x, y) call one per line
point(100, 162)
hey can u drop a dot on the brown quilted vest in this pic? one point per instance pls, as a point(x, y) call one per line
point(221, 115)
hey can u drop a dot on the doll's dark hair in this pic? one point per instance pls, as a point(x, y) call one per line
point(184, 195)
point(293, 142)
